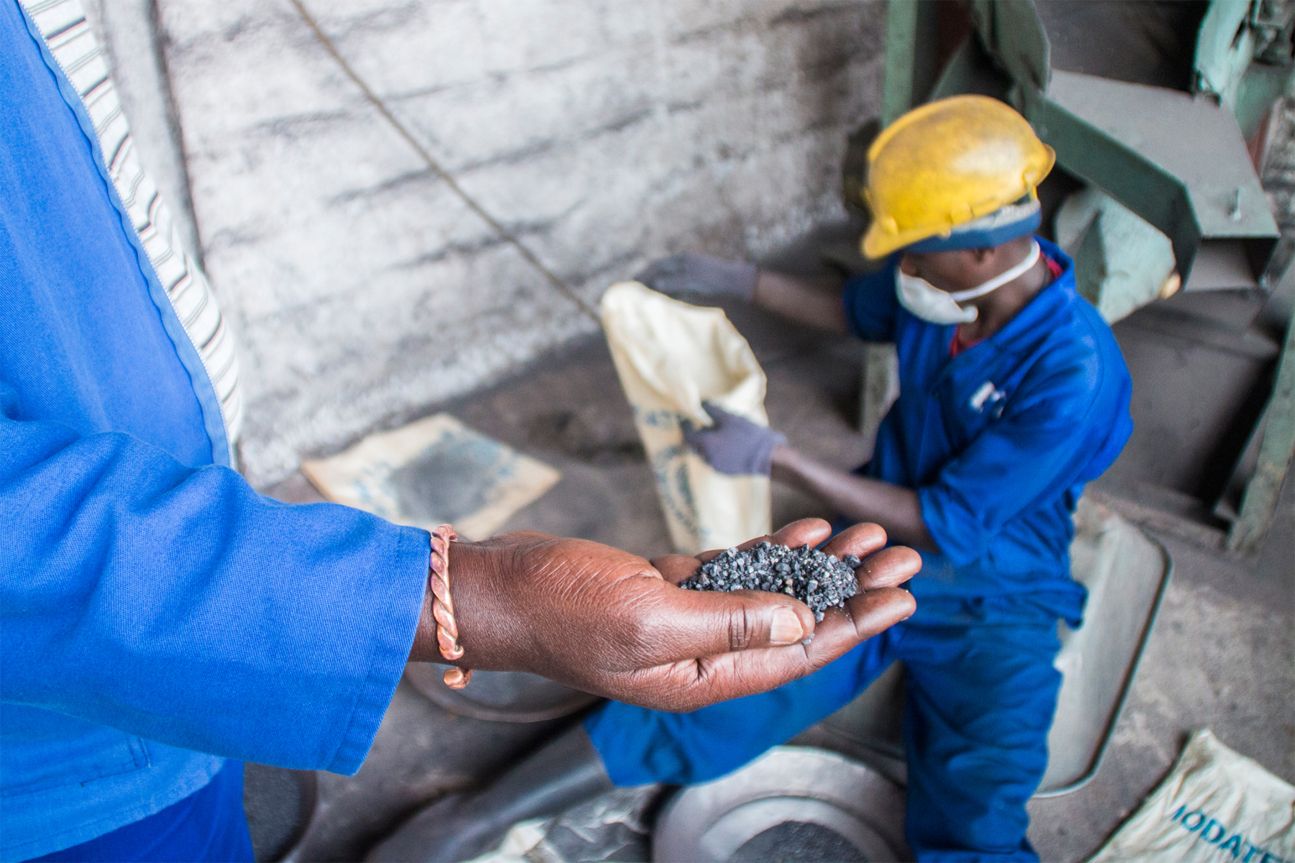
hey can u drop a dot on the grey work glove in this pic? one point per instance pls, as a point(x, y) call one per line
point(734, 444)
point(701, 275)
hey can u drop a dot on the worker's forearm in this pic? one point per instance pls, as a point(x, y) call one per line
point(858, 498)
point(179, 605)
point(805, 302)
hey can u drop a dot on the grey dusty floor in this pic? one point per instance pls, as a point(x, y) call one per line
point(1222, 656)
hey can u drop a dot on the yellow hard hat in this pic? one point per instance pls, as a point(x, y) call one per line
point(948, 163)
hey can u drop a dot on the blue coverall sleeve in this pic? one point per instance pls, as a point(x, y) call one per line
point(180, 605)
point(1040, 447)
point(871, 306)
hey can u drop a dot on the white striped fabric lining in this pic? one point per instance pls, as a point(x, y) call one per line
point(63, 25)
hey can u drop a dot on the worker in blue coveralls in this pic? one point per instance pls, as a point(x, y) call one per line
point(1013, 395)
point(158, 616)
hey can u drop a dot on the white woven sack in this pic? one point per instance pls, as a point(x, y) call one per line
point(670, 357)
point(1215, 806)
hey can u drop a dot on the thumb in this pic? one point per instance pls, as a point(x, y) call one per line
point(695, 438)
point(698, 623)
point(728, 419)
point(716, 413)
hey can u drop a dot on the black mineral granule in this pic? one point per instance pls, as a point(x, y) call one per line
point(798, 842)
point(819, 580)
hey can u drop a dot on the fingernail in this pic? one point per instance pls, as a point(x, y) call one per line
point(786, 627)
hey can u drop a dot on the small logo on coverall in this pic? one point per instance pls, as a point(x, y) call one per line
point(989, 396)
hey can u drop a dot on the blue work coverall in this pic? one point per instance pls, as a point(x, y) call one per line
point(998, 442)
point(157, 615)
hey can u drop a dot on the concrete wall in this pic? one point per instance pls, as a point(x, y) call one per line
point(604, 132)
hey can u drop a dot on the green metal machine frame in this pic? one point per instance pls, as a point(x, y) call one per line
point(1141, 146)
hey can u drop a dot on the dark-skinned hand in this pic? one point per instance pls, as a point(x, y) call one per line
point(614, 624)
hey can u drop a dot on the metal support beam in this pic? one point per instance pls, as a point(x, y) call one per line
point(912, 39)
point(1276, 453)
point(1013, 34)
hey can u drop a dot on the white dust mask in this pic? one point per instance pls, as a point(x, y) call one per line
point(941, 307)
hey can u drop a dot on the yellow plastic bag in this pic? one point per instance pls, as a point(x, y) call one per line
point(670, 357)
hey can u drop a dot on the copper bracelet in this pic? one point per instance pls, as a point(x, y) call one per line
point(447, 629)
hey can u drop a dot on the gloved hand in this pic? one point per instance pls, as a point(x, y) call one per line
point(612, 623)
point(734, 444)
point(702, 275)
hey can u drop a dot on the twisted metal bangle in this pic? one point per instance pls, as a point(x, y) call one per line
point(447, 628)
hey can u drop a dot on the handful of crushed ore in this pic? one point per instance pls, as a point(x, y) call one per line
point(819, 580)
